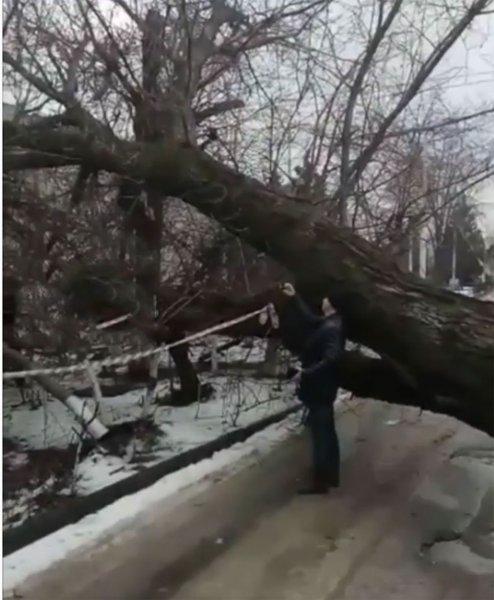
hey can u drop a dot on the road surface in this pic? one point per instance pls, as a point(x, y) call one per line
point(249, 537)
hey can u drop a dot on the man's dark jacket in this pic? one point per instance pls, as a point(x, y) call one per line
point(319, 342)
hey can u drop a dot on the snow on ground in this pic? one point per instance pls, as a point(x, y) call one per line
point(237, 402)
point(250, 350)
point(488, 296)
point(120, 515)
point(456, 502)
point(234, 405)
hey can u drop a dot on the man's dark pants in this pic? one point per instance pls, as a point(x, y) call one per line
point(325, 446)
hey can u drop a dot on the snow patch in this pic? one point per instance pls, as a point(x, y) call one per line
point(39, 422)
point(457, 554)
point(123, 513)
point(488, 296)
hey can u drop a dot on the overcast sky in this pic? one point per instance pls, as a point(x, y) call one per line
point(476, 54)
point(472, 60)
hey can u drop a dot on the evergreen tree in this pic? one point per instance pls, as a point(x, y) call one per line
point(463, 234)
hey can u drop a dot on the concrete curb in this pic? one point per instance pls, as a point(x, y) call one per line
point(42, 525)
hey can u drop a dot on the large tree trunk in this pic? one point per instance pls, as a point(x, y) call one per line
point(155, 121)
point(189, 381)
point(11, 287)
point(438, 340)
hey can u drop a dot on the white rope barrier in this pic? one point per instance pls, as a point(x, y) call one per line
point(127, 358)
point(107, 324)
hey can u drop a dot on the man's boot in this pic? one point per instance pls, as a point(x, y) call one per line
point(333, 479)
point(319, 486)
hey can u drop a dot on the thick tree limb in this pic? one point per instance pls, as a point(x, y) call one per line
point(217, 109)
point(377, 378)
point(41, 147)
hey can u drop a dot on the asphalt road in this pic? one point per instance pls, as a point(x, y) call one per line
point(250, 537)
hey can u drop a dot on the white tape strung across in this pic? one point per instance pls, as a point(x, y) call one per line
point(127, 358)
point(116, 321)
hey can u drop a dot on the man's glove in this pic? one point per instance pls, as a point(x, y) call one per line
point(270, 315)
point(288, 289)
point(293, 374)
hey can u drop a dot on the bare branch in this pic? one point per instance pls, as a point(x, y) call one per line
point(382, 27)
point(217, 109)
point(9, 15)
point(424, 72)
point(32, 79)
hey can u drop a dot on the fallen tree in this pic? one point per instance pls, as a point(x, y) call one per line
point(382, 378)
point(440, 344)
point(440, 341)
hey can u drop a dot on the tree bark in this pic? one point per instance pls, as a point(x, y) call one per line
point(380, 379)
point(189, 381)
point(11, 287)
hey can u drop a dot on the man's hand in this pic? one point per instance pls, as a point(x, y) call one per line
point(298, 374)
point(293, 374)
point(264, 317)
point(270, 314)
point(288, 289)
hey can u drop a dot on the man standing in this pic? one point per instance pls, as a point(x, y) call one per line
point(319, 342)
